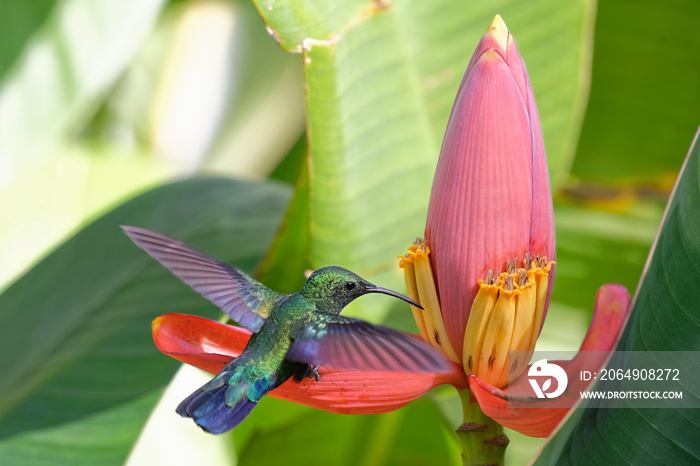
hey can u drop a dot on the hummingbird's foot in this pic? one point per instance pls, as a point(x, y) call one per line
point(306, 371)
point(312, 372)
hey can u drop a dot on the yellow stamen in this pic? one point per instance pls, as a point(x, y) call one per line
point(427, 296)
point(412, 290)
point(525, 308)
point(506, 315)
point(499, 333)
point(483, 305)
point(542, 280)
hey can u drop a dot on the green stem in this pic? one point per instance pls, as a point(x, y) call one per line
point(483, 440)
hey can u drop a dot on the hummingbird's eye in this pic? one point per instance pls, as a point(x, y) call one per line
point(350, 286)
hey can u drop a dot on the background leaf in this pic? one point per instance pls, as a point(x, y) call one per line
point(58, 60)
point(664, 306)
point(61, 74)
point(596, 247)
point(17, 24)
point(644, 99)
point(90, 359)
point(217, 54)
point(410, 436)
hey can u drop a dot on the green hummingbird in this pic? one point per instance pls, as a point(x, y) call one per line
point(293, 334)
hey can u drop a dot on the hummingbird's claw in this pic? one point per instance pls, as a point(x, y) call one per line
point(312, 372)
point(306, 371)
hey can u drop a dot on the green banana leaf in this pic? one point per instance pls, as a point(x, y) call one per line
point(80, 371)
point(665, 317)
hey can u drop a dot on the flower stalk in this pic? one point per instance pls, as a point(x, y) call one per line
point(482, 438)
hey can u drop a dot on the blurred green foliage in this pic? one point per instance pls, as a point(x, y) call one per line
point(101, 101)
point(643, 107)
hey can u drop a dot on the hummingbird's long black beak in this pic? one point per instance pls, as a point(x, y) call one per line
point(379, 289)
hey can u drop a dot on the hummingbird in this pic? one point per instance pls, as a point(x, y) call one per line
point(293, 334)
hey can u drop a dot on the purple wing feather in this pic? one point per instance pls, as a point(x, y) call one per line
point(346, 343)
point(246, 300)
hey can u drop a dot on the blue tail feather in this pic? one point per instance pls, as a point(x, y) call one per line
point(208, 408)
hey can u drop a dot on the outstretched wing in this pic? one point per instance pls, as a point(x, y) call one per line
point(347, 343)
point(246, 300)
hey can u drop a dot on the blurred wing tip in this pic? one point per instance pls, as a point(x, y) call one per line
point(136, 233)
point(128, 229)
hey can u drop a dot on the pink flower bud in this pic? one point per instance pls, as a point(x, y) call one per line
point(491, 200)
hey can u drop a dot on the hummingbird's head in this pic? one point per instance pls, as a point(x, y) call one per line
point(332, 288)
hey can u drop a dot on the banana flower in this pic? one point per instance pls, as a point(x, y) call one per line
point(484, 271)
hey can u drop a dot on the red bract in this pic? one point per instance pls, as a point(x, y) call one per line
point(609, 316)
point(210, 345)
